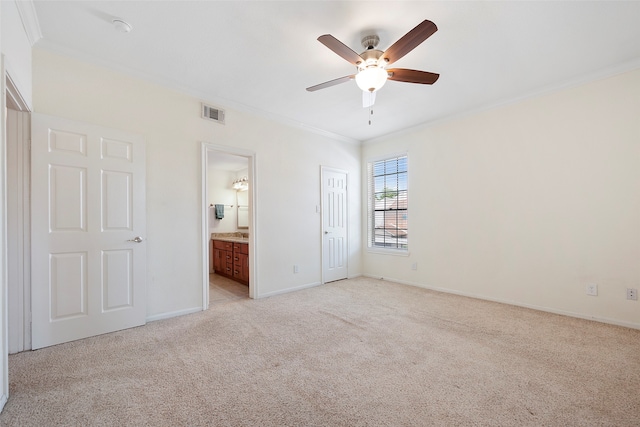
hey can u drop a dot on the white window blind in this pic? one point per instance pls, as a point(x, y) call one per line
point(388, 205)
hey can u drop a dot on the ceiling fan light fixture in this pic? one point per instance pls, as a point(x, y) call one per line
point(371, 79)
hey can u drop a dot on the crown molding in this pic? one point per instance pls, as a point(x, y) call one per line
point(29, 17)
point(546, 90)
point(223, 103)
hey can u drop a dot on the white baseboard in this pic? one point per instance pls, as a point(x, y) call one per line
point(169, 315)
point(286, 291)
point(301, 287)
point(616, 322)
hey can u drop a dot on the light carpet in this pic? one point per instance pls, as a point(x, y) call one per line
point(359, 352)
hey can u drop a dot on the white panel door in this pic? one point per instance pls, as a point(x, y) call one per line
point(334, 225)
point(88, 227)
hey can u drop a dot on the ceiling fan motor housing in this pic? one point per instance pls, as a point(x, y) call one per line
point(370, 42)
point(371, 58)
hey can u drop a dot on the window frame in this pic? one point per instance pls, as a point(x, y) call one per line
point(371, 210)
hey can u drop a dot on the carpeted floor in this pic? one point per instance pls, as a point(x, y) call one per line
point(358, 352)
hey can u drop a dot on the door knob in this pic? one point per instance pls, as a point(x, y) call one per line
point(136, 239)
point(327, 232)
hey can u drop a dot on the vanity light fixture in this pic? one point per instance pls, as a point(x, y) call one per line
point(241, 184)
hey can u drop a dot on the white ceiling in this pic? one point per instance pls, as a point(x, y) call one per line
point(260, 56)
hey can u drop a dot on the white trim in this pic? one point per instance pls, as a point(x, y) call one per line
point(169, 315)
point(4, 317)
point(19, 233)
point(50, 46)
point(204, 224)
point(211, 98)
point(372, 159)
point(387, 251)
point(29, 18)
point(17, 100)
point(12, 87)
point(600, 319)
point(286, 291)
point(207, 147)
point(547, 90)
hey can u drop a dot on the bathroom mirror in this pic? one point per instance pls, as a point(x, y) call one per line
point(242, 198)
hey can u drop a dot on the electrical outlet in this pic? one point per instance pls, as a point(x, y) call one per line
point(295, 268)
point(414, 266)
point(592, 289)
point(632, 293)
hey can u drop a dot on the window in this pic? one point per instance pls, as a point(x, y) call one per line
point(388, 205)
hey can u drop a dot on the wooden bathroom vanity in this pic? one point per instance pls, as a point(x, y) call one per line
point(230, 258)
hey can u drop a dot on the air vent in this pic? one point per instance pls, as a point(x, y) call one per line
point(212, 113)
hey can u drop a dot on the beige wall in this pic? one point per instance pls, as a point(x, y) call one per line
point(524, 204)
point(528, 203)
point(288, 163)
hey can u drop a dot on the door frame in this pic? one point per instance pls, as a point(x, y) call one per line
point(322, 202)
point(4, 318)
point(207, 148)
point(10, 97)
point(19, 320)
point(19, 231)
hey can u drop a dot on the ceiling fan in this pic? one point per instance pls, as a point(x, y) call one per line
point(371, 64)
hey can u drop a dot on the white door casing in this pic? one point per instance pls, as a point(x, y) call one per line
point(334, 224)
point(211, 149)
point(18, 228)
point(88, 230)
point(4, 353)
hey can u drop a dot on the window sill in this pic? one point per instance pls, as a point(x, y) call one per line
point(394, 252)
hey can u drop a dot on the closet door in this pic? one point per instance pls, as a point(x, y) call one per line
point(334, 225)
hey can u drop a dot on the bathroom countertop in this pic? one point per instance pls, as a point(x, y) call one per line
point(229, 237)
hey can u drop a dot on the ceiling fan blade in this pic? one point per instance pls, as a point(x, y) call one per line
point(340, 48)
point(368, 98)
point(412, 76)
point(331, 83)
point(409, 41)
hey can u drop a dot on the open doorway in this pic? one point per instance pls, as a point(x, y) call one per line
point(229, 226)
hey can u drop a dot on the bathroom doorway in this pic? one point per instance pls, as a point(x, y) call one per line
point(228, 224)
